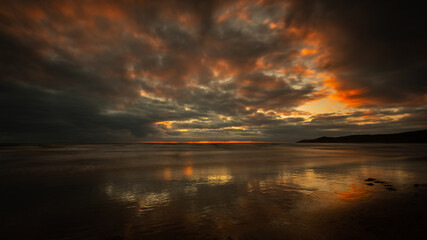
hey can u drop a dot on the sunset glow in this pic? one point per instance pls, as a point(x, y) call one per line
point(202, 142)
point(213, 119)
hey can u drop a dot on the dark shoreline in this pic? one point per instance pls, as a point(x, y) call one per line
point(405, 137)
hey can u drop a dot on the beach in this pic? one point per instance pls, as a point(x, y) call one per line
point(213, 191)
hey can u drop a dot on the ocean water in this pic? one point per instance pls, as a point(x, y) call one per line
point(208, 191)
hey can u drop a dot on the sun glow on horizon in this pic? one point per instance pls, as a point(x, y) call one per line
point(175, 142)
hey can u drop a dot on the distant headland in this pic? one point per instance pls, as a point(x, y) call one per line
point(405, 137)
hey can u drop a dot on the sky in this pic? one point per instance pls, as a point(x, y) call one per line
point(188, 71)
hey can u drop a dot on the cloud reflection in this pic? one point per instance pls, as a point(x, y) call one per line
point(224, 191)
point(151, 200)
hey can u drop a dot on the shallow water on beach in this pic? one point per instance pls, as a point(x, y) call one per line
point(199, 191)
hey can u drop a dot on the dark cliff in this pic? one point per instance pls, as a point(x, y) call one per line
point(405, 137)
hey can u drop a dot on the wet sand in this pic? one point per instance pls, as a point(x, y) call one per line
point(213, 191)
point(394, 217)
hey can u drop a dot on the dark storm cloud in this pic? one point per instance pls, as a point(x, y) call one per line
point(21, 61)
point(270, 92)
point(136, 70)
point(376, 47)
point(37, 115)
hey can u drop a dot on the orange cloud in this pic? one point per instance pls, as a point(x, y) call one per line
point(307, 51)
point(299, 69)
point(167, 124)
point(350, 97)
point(243, 14)
point(261, 64)
point(223, 16)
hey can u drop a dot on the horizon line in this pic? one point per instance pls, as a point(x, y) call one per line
point(198, 142)
point(141, 142)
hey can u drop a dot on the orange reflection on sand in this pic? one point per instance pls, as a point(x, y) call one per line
point(167, 174)
point(352, 192)
point(188, 171)
point(222, 142)
point(174, 142)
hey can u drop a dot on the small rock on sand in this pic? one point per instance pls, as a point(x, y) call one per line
point(370, 179)
point(420, 185)
point(370, 184)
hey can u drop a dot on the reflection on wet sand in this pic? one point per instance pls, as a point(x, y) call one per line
point(215, 175)
point(188, 171)
point(272, 192)
point(214, 200)
point(353, 193)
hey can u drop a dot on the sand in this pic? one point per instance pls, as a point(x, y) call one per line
point(213, 191)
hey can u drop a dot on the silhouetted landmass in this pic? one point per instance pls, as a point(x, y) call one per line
point(405, 137)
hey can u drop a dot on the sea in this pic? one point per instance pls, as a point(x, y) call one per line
point(212, 191)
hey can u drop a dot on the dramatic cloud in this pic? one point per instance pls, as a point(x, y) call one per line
point(374, 49)
point(101, 71)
